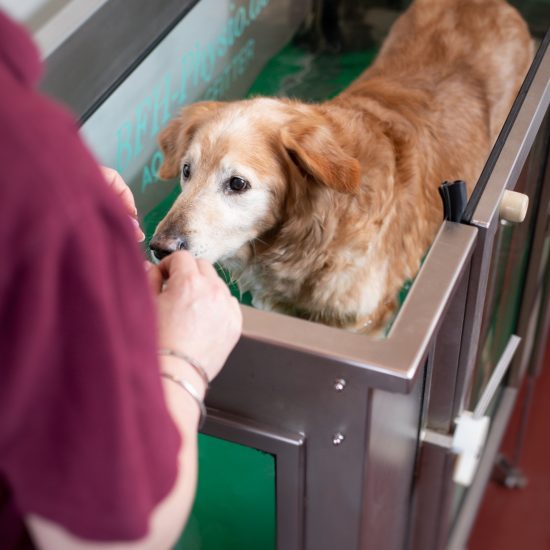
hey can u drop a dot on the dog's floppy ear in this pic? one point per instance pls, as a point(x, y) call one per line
point(175, 138)
point(311, 145)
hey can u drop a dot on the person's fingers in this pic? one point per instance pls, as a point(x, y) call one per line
point(206, 268)
point(180, 263)
point(209, 271)
point(154, 276)
point(126, 196)
point(121, 188)
point(236, 308)
point(108, 173)
point(140, 235)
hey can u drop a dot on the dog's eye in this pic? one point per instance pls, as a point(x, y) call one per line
point(238, 184)
point(186, 171)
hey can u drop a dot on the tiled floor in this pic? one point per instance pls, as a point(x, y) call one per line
point(519, 519)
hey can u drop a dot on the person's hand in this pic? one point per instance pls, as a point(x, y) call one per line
point(197, 315)
point(120, 187)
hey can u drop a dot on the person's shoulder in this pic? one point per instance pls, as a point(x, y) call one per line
point(48, 175)
point(36, 132)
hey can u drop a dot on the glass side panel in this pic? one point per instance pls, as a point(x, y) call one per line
point(507, 274)
point(510, 257)
point(511, 254)
point(215, 52)
point(235, 504)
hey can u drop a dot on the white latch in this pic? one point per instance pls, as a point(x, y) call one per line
point(472, 427)
point(468, 441)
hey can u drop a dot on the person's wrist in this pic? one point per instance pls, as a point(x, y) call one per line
point(182, 369)
point(188, 359)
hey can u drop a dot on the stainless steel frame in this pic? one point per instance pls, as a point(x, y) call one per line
point(288, 448)
point(284, 374)
point(381, 363)
point(342, 413)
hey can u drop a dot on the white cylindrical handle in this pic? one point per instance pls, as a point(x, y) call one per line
point(513, 206)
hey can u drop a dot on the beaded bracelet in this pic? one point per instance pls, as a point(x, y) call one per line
point(196, 366)
point(190, 389)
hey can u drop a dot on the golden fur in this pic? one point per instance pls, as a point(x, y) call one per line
point(343, 197)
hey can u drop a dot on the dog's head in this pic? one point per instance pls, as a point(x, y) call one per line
point(239, 164)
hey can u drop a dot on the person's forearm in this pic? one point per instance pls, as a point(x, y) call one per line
point(169, 517)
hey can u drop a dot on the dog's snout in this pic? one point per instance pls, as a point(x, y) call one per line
point(160, 253)
point(162, 246)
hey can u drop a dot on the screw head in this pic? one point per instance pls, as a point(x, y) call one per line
point(337, 439)
point(339, 384)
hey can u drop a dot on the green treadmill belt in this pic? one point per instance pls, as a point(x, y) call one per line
point(235, 504)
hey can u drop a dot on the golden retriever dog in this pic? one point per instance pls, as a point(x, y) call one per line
point(324, 210)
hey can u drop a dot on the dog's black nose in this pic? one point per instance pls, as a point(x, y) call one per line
point(160, 253)
point(162, 246)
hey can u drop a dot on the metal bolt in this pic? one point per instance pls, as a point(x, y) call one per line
point(339, 384)
point(337, 439)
